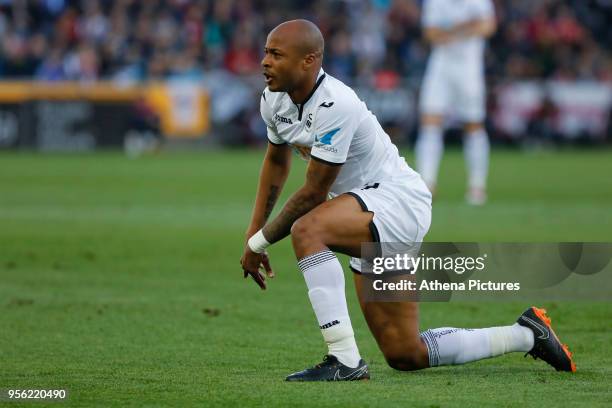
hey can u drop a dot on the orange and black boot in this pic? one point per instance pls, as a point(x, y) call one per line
point(546, 344)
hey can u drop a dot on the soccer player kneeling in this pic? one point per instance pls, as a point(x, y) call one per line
point(376, 196)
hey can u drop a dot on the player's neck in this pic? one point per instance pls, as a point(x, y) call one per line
point(299, 96)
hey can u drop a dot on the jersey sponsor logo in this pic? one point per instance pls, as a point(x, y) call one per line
point(327, 104)
point(326, 139)
point(324, 142)
point(282, 119)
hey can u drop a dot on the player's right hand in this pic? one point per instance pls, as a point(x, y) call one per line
point(252, 262)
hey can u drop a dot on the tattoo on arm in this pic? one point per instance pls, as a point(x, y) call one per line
point(272, 197)
point(299, 204)
point(319, 179)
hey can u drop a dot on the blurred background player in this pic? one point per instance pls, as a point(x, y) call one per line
point(454, 82)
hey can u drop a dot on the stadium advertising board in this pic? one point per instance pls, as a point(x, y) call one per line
point(80, 117)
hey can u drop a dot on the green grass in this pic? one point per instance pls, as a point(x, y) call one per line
point(119, 280)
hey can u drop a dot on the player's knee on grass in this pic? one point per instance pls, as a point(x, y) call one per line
point(406, 361)
point(403, 356)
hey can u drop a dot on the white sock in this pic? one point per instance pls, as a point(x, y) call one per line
point(325, 281)
point(476, 152)
point(428, 150)
point(448, 345)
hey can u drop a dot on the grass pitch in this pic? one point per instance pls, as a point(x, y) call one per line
point(120, 281)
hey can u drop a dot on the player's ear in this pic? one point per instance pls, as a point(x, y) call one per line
point(309, 60)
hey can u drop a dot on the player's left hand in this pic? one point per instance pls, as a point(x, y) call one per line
point(252, 262)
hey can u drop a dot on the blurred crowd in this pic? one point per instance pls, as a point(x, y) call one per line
point(378, 41)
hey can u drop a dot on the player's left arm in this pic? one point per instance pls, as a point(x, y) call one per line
point(334, 129)
point(319, 178)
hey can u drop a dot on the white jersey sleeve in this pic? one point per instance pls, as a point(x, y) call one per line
point(334, 130)
point(266, 115)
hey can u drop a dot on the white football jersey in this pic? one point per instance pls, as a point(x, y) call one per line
point(445, 14)
point(334, 126)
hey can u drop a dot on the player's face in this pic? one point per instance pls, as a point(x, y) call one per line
point(281, 65)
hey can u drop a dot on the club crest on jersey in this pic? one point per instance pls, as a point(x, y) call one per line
point(282, 119)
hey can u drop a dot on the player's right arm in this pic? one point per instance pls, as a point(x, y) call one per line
point(272, 177)
point(273, 173)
